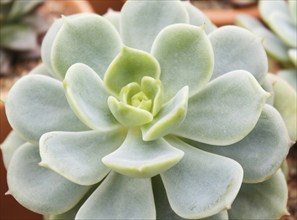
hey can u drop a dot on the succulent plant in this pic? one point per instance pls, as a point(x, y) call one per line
point(280, 44)
point(20, 27)
point(279, 34)
point(162, 118)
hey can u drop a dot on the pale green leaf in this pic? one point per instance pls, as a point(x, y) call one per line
point(284, 27)
point(169, 118)
point(20, 8)
point(130, 65)
point(269, 141)
point(152, 17)
point(120, 197)
point(88, 39)
point(138, 158)
point(185, 56)
point(128, 115)
point(290, 76)
point(37, 188)
point(198, 18)
point(267, 8)
point(12, 142)
point(201, 184)
point(293, 10)
point(87, 97)
point(41, 69)
point(267, 86)
point(77, 155)
point(114, 17)
point(225, 111)
point(47, 43)
point(266, 200)
point(163, 208)
point(293, 56)
point(285, 101)
point(238, 49)
point(272, 44)
point(43, 107)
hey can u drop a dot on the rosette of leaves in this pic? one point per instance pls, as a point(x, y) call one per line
point(20, 27)
point(159, 120)
point(279, 34)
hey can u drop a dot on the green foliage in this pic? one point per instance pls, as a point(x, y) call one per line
point(160, 116)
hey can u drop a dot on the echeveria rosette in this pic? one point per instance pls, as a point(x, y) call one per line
point(132, 115)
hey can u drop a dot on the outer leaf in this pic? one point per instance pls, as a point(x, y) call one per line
point(87, 97)
point(271, 196)
point(124, 69)
point(29, 184)
point(77, 155)
point(198, 18)
point(269, 141)
point(267, 8)
point(290, 76)
point(284, 27)
point(169, 118)
point(9, 146)
point(164, 210)
point(202, 184)
point(238, 49)
point(225, 111)
point(138, 158)
point(267, 86)
point(293, 9)
point(47, 43)
point(41, 69)
point(272, 44)
point(120, 197)
point(20, 8)
point(114, 17)
point(185, 56)
point(43, 105)
point(69, 46)
point(293, 56)
point(127, 115)
point(140, 33)
point(285, 101)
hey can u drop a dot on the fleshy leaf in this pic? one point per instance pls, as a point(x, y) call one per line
point(130, 65)
point(183, 50)
point(120, 197)
point(266, 200)
point(225, 111)
point(284, 27)
point(77, 155)
point(293, 56)
point(43, 105)
point(238, 49)
point(272, 44)
point(127, 115)
point(198, 18)
point(169, 118)
point(199, 188)
point(140, 33)
point(114, 17)
point(269, 139)
point(267, 86)
point(163, 208)
point(138, 158)
point(87, 97)
point(29, 184)
point(9, 146)
point(290, 76)
point(293, 10)
point(285, 101)
point(103, 44)
point(267, 8)
point(41, 69)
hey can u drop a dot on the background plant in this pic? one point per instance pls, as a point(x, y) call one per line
point(20, 27)
point(160, 118)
